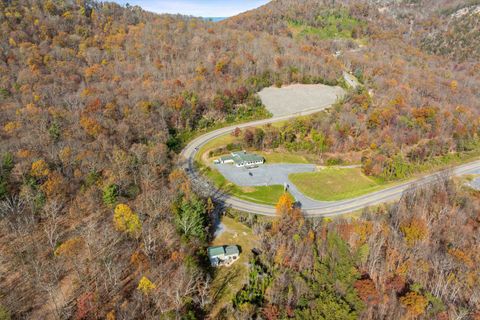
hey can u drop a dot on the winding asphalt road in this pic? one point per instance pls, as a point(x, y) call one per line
point(323, 209)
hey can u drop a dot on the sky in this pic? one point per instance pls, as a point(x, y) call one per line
point(199, 8)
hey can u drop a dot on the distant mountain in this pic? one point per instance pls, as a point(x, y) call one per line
point(215, 19)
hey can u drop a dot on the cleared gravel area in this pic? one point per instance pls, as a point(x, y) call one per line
point(299, 98)
point(475, 184)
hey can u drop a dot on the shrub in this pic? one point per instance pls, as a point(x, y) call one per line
point(110, 194)
point(334, 161)
point(4, 314)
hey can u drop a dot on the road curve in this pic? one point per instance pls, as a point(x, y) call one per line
point(324, 209)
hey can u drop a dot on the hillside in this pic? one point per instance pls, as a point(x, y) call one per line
point(415, 107)
point(97, 221)
point(457, 34)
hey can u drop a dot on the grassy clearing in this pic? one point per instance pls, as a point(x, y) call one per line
point(268, 195)
point(281, 157)
point(332, 184)
point(264, 195)
point(228, 281)
point(331, 24)
point(214, 144)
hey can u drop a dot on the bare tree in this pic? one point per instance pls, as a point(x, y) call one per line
point(51, 215)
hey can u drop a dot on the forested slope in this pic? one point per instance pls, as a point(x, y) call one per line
point(417, 259)
point(96, 100)
point(415, 107)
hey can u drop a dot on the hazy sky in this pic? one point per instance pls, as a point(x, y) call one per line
point(200, 8)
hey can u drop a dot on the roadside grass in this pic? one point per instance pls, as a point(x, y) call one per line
point(267, 195)
point(213, 144)
point(377, 209)
point(447, 160)
point(227, 281)
point(281, 157)
point(333, 184)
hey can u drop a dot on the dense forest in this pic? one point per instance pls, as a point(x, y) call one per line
point(97, 99)
point(399, 262)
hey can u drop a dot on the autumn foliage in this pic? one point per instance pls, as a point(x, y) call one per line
point(284, 204)
point(145, 285)
point(126, 220)
point(39, 169)
point(98, 99)
point(415, 303)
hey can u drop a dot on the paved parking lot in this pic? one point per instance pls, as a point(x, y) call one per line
point(264, 175)
point(267, 175)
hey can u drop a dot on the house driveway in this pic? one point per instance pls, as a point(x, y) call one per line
point(267, 175)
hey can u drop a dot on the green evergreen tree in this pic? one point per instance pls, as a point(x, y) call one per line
point(190, 218)
point(110, 194)
point(5, 170)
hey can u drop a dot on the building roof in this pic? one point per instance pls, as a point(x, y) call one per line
point(231, 250)
point(240, 157)
point(215, 251)
point(226, 158)
point(222, 250)
point(247, 157)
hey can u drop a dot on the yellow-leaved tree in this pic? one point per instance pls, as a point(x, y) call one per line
point(284, 204)
point(39, 169)
point(127, 221)
point(414, 230)
point(145, 285)
point(70, 247)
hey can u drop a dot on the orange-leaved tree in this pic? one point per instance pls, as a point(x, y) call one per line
point(414, 230)
point(284, 204)
point(415, 303)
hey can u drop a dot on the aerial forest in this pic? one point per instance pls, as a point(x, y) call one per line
point(99, 221)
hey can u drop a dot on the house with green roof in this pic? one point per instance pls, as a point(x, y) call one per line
point(242, 159)
point(223, 255)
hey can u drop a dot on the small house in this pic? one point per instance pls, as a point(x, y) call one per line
point(223, 255)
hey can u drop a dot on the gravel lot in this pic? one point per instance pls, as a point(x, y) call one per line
point(299, 98)
point(475, 183)
point(267, 175)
